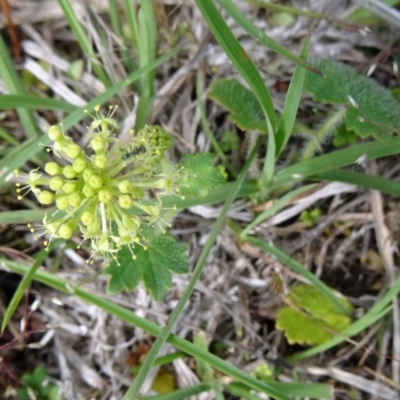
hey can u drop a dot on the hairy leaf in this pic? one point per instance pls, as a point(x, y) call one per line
point(199, 175)
point(372, 110)
point(154, 265)
point(243, 105)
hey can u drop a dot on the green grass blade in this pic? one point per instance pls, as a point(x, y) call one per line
point(141, 323)
point(19, 293)
point(132, 23)
point(8, 138)
point(117, 24)
point(288, 117)
point(82, 37)
point(21, 216)
point(306, 390)
point(274, 209)
point(181, 394)
point(148, 43)
point(336, 159)
point(298, 268)
point(133, 391)
point(258, 34)
point(239, 58)
point(8, 101)
point(362, 180)
point(15, 87)
point(147, 53)
point(163, 360)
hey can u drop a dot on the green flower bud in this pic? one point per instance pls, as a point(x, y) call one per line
point(125, 201)
point(88, 191)
point(105, 196)
point(69, 187)
point(66, 231)
point(54, 133)
point(53, 168)
point(56, 183)
point(95, 181)
point(101, 161)
point(98, 144)
point(87, 173)
point(62, 203)
point(73, 150)
point(75, 200)
point(46, 197)
point(87, 218)
point(69, 172)
point(125, 186)
point(79, 165)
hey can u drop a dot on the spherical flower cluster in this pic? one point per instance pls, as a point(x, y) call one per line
point(94, 193)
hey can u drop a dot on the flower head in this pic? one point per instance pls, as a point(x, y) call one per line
point(94, 192)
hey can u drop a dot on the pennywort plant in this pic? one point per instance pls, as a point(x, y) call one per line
point(92, 193)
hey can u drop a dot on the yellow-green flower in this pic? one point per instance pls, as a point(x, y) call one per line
point(93, 192)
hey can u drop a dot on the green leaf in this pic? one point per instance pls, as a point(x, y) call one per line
point(199, 176)
point(245, 109)
point(372, 110)
point(314, 318)
point(153, 265)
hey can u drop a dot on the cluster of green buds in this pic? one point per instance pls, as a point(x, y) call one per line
point(94, 193)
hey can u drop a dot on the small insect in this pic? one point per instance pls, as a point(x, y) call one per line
point(134, 152)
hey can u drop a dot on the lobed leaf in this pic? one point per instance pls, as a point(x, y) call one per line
point(372, 110)
point(199, 176)
point(153, 265)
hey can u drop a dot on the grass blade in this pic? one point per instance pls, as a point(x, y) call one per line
point(258, 34)
point(335, 160)
point(15, 87)
point(384, 185)
point(239, 58)
point(288, 117)
point(34, 102)
point(19, 293)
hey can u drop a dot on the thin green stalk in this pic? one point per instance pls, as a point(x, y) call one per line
point(328, 127)
point(19, 293)
point(133, 391)
point(274, 209)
